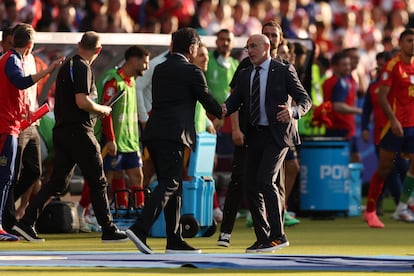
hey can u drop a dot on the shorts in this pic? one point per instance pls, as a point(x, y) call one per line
point(404, 144)
point(225, 146)
point(123, 161)
point(353, 144)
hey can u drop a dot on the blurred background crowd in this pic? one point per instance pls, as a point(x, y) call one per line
point(371, 25)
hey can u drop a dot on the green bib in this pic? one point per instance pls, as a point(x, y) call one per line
point(124, 113)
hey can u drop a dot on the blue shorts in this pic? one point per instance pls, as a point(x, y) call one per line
point(404, 144)
point(225, 146)
point(292, 154)
point(122, 161)
point(353, 144)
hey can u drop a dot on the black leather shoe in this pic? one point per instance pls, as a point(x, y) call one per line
point(181, 248)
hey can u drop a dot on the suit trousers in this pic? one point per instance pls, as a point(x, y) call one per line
point(167, 157)
point(75, 146)
point(265, 188)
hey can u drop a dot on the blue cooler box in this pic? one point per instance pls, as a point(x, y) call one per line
point(324, 181)
point(355, 184)
point(197, 194)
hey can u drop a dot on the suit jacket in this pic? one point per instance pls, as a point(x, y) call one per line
point(282, 86)
point(176, 87)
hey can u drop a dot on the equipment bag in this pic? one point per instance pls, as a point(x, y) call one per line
point(58, 217)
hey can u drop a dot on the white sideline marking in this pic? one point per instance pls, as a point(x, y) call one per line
point(27, 258)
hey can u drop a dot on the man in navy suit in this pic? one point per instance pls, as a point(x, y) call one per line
point(269, 133)
point(177, 85)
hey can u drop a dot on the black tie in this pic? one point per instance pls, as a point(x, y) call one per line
point(255, 98)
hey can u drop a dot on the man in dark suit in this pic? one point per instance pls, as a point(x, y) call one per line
point(264, 93)
point(177, 85)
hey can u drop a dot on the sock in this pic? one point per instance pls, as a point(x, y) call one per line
point(375, 189)
point(401, 207)
point(138, 196)
point(215, 201)
point(121, 197)
point(81, 211)
point(85, 199)
point(408, 188)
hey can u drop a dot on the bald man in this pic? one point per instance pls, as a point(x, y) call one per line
point(264, 92)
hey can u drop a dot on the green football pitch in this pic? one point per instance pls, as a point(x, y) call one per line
point(342, 236)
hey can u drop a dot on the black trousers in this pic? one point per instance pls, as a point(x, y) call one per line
point(265, 189)
point(167, 157)
point(28, 169)
point(235, 190)
point(75, 146)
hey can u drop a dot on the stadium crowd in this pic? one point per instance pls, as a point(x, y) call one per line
point(367, 24)
point(371, 26)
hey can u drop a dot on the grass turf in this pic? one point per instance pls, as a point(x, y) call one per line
point(340, 236)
